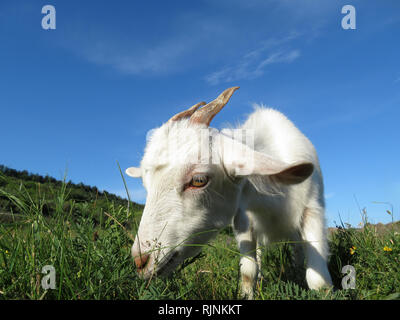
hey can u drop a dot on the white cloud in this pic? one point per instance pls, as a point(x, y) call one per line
point(195, 36)
point(160, 58)
point(254, 63)
point(178, 47)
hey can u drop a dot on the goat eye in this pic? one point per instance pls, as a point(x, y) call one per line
point(198, 181)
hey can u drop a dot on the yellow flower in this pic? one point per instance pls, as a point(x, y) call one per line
point(353, 250)
point(386, 248)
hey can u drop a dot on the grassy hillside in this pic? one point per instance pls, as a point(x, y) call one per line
point(88, 244)
point(36, 192)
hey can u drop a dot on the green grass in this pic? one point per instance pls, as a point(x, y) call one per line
point(90, 251)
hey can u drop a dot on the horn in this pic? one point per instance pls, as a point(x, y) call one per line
point(208, 112)
point(187, 113)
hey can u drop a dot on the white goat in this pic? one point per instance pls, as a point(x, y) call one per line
point(199, 180)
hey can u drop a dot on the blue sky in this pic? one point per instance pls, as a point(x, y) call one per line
point(84, 95)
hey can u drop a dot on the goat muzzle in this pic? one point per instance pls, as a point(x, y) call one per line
point(141, 261)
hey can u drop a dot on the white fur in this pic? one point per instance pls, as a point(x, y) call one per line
point(244, 188)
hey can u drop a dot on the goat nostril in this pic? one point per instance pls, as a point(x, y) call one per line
point(141, 261)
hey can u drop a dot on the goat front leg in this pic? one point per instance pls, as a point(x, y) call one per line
point(316, 248)
point(247, 243)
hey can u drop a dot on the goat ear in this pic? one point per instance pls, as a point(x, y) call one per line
point(134, 172)
point(263, 165)
point(242, 161)
point(295, 173)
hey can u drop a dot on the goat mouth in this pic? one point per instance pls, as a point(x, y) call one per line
point(159, 268)
point(166, 265)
